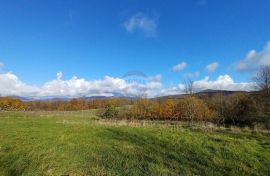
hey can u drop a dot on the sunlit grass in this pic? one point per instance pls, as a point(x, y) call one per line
point(76, 143)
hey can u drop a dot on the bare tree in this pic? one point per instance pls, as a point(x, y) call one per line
point(189, 86)
point(263, 79)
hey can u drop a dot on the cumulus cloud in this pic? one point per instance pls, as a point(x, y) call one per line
point(11, 85)
point(212, 67)
point(179, 67)
point(174, 90)
point(255, 59)
point(143, 23)
point(223, 82)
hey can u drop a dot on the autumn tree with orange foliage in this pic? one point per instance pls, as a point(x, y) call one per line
point(194, 109)
point(168, 110)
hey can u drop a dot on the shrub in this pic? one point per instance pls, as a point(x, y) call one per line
point(145, 109)
point(168, 108)
point(236, 109)
point(11, 104)
point(110, 111)
point(193, 109)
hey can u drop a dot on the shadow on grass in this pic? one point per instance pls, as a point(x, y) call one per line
point(14, 164)
point(155, 154)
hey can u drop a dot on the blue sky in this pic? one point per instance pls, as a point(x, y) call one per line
point(92, 39)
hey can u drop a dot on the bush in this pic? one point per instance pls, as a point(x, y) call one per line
point(110, 111)
point(236, 109)
point(11, 104)
point(168, 110)
point(145, 109)
point(193, 109)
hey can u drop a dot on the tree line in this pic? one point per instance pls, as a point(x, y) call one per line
point(15, 104)
point(235, 109)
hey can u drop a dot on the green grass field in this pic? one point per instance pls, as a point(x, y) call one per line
point(77, 143)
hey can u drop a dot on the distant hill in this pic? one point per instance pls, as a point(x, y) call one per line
point(207, 92)
point(65, 98)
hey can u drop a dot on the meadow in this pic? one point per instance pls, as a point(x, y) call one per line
point(80, 143)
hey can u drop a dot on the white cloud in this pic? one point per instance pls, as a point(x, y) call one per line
point(59, 75)
point(174, 90)
point(11, 85)
point(142, 22)
point(179, 67)
point(212, 67)
point(223, 82)
point(255, 59)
